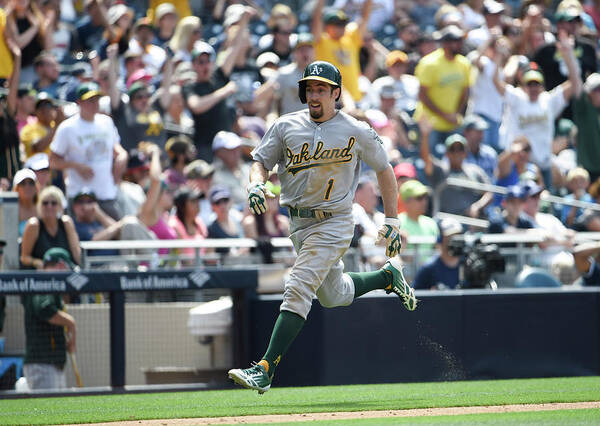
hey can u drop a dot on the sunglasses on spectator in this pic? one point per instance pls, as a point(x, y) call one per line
point(526, 149)
point(27, 182)
point(50, 203)
point(420, 197)
point(534, 84)
point(202, 61)
point(141, 96)
point(458, 148)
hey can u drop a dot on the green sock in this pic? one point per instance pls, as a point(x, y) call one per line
point(365, 282)
point(286, 328)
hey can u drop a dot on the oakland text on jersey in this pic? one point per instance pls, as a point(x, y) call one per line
point(296, 162)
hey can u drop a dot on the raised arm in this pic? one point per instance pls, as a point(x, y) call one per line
point(13, 83)
point(498, 82)
point(317, 20)
point(573, 85)
point(239, 42)
point(425, 129)
point(112, 52)
point(364, 18)
point(201, 104)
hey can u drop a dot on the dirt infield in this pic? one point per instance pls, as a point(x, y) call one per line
point(279, 418)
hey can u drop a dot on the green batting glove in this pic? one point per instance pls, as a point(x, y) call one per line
point(390, 232)
point(257, 197)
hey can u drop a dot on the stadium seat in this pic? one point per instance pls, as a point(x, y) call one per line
point(535, 277)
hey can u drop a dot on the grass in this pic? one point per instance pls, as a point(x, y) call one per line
point(92, 409)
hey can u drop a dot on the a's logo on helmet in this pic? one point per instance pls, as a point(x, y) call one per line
point(316, 70)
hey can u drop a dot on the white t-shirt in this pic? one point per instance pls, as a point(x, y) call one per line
point(535, 120)
point(90, 143)
point(485, 98)
point(406, 90)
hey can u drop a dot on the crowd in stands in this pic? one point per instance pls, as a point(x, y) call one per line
point(136, 120)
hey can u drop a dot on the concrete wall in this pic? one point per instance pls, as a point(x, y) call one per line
point(156, 336)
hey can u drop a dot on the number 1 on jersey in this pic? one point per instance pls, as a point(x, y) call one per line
point(330, 183)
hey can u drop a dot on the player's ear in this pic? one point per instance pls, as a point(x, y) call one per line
point(338, 93)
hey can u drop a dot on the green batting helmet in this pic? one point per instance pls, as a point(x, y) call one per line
point(320, 71)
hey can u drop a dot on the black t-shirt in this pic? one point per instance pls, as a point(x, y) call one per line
point(219, 117)
point(33, 48)
point(248, 79)
point(554, 68)
point(135, 127)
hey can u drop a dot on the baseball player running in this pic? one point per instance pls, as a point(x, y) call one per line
point(318, 152)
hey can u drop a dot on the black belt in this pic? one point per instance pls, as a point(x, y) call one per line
point(308, 213)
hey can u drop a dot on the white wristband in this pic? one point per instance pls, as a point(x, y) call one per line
point(392, 221)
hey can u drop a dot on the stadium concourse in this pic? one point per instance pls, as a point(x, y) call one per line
point(129, 127)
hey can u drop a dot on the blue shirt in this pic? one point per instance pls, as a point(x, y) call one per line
point(498, 224)
point(592, 278)
point(487, 159)
point(435, 273)
point(564, 213)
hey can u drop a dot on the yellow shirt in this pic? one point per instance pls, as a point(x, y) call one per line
point(30, 133)
point(181, 6)
point(343, 53)
point(446, 81)
point(6, 64)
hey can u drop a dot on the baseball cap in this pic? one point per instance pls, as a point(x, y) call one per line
point(450, 226)
point(227, 140)
point(136, 87)
point(304, 39)
point(164, 9)
point(44, 97)
point(412, 189)
point(233, 14)
point(405, 170)
point(116, 11)
point(474, 122)
point(38, 162)
point(455, 138)
point(335, 17)
point(23, 174)
point(201, 47)
point(492, 7)
point(87, 91)
point(82, 69)
point(515, 192)
point(218, 194)
point(567, 14)
point(84, 192)
point(449, 33)
point(564, 127)
point(198, 169)
point(143, 22)
point(387, 91)
point(137, 159)
point(395, 56)
point(533, 75)
point(531, 188)
point(57, 255)
point(592, 82)
point(138, 75)
point(266, 58)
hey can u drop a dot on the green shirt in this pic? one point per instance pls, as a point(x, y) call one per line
point(45, 342)
point(424, 226)
point(587, 119)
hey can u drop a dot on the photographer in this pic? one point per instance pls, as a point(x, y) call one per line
point(442, 271)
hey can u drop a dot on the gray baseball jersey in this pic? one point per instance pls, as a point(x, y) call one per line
point(319, 163)
point(319, 167)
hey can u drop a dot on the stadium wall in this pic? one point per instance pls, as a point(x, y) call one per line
point(456, 335)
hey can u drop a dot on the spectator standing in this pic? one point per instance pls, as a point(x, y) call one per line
point(40, 164)
point(230, 170)
point(206, 97)
point(50, 332)
point(484, 156)
point(25, 184)
point(199, 175)
point(552, 60)
point(91, 26)
point(187, 32)
point(492, 13)
point(413, 220)
point(513, 162)
point(287, 76)
point(6, 66)
point(47, 71)
point(586, 115)
point(181, 151)
point(186, 222)
point(281, 23)
point(87, 145)
point(444, 77)
point(38, 133)
point(406, 86)
point(153, 56)
point(165, 21)
point(10, 160)
point(50, 228)
point(530, 111)
point(228, 222)
point(512, 219)
point(441, 271)
point(455, 200)
point(25, 105)
point(337, 41)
